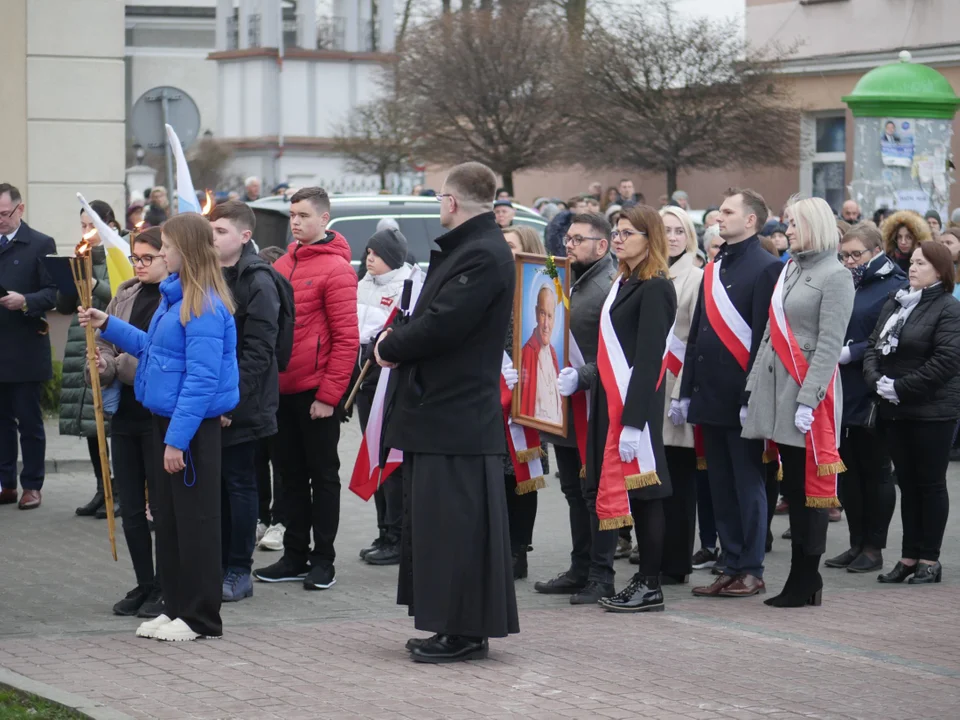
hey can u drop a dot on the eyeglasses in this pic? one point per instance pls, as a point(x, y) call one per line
point(145, 260)
point(441, 196)
point(626, 234)
point(9, 213)
point(855, 254)
point(575, 240)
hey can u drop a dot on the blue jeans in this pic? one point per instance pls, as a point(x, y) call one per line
point(239, 503)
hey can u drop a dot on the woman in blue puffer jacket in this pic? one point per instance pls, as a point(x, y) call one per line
point(187, 377)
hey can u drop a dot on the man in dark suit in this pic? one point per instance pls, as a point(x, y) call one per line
point(443, 411)
point(26, 293)
point(725, 335)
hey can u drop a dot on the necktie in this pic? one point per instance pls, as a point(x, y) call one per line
point(4, 240)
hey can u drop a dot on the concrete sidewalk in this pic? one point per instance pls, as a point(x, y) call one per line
point(65, 453)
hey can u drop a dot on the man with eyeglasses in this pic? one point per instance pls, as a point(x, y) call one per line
point(27, 292)
point(866, 488)
point(590, 575)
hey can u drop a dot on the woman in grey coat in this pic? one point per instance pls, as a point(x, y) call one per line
point(817, 296)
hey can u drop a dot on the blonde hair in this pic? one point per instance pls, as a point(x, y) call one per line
point(816, 224)
point(200, 274)
point(530, 241)
point(684, 217)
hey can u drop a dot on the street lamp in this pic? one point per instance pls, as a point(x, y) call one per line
point(139, 152)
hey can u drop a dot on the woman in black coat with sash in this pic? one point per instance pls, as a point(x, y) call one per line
point(913, 361)
point(625, 454)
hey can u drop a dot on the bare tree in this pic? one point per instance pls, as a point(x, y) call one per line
point(377, 139)
point(669, 95)
point(208, 160)
point(484, 86)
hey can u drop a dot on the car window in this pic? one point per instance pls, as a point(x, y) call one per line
point(537, 225)
point(273, 229)
point(358, 230)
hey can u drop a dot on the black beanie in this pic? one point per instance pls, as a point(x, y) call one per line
point(390, 246)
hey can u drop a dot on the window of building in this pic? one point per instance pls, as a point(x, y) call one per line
point(824, 157)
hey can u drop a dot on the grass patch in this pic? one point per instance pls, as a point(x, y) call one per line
point(15, 706)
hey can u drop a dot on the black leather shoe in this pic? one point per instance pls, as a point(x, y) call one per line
point(90, 509)
point(385, 555)
point(787, 535)
point(643, 594)
point(926, 574)
point(450, 648)
point(418, 642)
point(102, 511)
point(843, 559)
point(899, 573)
point(865, 563)
point(592, 593)
point(134, 600)
point(562, 584)
point(375, 545)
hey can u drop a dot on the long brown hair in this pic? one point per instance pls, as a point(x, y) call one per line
point(647, 220)
point(200, 275)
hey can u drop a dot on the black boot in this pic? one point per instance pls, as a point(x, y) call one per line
point(520, 563)
point(643, 594)
point(792, 579)
point(102, 512)
point(96, 502)
point(808, 587)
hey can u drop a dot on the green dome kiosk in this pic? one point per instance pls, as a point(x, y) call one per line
point(903, 124)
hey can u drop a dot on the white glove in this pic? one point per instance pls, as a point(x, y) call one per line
point(510, 377)
point(568, 381)
point(743, 415)
point(804, 418)
point(886, 390)
point(845, 355)
point(678, 411)
point(629, 443)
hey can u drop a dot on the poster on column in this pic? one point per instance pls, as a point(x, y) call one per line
point(897, 142)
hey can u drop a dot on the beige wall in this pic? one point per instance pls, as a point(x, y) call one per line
point(72, 109)
point(13, 90)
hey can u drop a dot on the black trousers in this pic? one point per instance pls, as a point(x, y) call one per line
point(20, 413)
point(603, 543)
point(808, 526)
point(136, 467)
point(706, 521)
point(921, 454)
point(867, 491)
point(188, 530)
point(238, 506)
point(93, 447)
point(307, 451)
point(521, 514)
point(680, 511)
point(771, 470)
point(388, 498)
point(267, 491)
point(572, 487)
point(650, 526)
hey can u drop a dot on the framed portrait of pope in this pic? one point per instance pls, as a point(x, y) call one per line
point(540, 329)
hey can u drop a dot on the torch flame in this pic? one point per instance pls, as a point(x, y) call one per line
point(139, 225)
point(208, 205)
point(84, 245)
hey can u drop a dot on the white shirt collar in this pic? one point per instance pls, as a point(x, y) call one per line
point(12, 235)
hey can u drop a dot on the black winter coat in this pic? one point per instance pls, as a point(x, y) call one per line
point(712, 377)
point(642, 315)
point(257, 318)
point(444, 398)
point(24, 338)
point(926, 364)
point(882, 279)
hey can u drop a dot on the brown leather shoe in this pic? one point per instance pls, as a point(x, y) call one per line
point(835, 514)
point(713, 590)
point(30, 499)
point(8, 496)
point(744, 586)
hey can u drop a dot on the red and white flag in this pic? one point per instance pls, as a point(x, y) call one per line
point(367, 474)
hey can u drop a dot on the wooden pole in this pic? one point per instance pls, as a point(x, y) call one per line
point(84, 282)
point(356, 388)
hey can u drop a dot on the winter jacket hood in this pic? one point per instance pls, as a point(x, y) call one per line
point(915, 224)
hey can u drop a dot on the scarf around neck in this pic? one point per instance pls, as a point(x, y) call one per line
point(908, 300)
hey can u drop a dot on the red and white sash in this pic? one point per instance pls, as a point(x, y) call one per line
point(731, 328)
point(523, 443)
point(367, 474)
point(673, 361)
point(823, 438)
point(580, 402)
point(613, 504)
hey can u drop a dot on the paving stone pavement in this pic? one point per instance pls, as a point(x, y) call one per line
point(869, 652)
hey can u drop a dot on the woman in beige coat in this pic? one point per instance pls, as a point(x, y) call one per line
point(817, 293)
point(680, 510)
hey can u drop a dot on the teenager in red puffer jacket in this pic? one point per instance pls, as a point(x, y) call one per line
point(325, 345)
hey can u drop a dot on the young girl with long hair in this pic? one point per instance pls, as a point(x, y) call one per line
point(187, 377)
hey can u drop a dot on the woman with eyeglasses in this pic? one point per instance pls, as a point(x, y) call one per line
point(680, 509)
point(76, 399)
point(135, 460)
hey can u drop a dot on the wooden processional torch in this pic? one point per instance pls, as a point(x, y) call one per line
point(81, 265)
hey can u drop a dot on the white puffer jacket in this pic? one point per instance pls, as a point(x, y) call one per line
point(376, 297)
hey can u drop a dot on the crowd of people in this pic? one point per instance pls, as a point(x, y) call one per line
point(806, 355)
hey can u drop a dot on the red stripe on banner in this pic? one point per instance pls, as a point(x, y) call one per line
point(729, 339)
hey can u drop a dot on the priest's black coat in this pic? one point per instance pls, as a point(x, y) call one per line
point(642, 315)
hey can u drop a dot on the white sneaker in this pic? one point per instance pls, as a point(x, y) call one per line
point(176, 631)
point(261, 531)
point(149, 628)
point(273, 538)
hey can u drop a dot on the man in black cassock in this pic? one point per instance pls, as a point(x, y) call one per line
point(443, 411)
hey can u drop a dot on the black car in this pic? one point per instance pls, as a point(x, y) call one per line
point(356, 217)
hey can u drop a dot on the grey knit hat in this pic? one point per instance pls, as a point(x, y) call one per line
point(390, 246)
